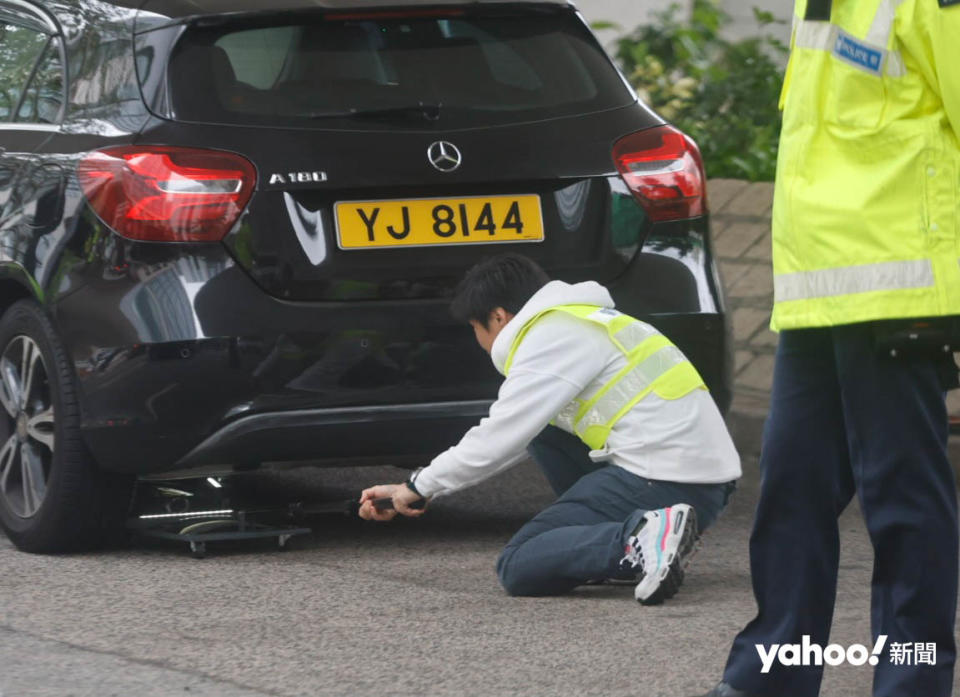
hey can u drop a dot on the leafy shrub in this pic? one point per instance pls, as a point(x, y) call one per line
point(722, 93)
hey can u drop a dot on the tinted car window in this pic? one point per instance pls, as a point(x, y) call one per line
point(19, 50)
point(478, 69)
point(44, 97)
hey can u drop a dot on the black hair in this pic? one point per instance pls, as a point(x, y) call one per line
point(506, 280)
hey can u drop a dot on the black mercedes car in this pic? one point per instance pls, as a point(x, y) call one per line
point(229, 230)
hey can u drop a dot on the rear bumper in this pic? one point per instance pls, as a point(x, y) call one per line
point(185, 405)
point(392, 434)
point(185, 362)
point(195, 365)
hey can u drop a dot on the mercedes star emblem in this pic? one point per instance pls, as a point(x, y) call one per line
point(444, 156)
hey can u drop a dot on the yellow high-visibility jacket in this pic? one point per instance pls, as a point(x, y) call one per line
point(866, 217)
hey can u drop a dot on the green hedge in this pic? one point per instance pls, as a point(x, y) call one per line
point(722, 93)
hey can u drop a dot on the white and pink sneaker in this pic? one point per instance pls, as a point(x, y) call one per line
point(659, 549)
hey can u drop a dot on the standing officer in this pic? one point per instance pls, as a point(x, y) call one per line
point(866, 231)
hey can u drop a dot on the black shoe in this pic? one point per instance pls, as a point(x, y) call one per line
point(724, 690)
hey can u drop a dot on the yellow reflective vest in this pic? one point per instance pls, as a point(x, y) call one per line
point(653, 365)
point(866, 216)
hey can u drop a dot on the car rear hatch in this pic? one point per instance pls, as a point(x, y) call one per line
point(396, 147)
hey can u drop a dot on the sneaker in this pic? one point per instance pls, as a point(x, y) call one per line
point(658, 551)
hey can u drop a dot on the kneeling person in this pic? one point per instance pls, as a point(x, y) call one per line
point(638, 453)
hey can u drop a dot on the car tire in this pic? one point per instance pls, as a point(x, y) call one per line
point(75, 506)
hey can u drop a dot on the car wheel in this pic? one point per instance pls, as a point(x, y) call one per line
point(53, 498)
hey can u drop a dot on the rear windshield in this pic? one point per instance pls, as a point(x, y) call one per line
point(453, 70)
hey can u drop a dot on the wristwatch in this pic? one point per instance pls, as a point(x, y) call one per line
point(411, 482)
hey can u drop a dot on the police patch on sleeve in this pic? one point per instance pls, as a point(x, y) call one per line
point(948, 3)
point(859, 54)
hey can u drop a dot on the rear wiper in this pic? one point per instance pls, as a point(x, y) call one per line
point(428, 111)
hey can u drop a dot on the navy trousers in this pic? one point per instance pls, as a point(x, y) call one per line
point(581, 536)
point(844, 420)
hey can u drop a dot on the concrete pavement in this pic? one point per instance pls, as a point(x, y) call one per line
point(402, 609)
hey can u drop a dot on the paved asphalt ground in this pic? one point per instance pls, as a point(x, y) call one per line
point(412, 608)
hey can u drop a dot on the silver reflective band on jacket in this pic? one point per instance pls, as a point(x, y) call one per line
point(653, 365)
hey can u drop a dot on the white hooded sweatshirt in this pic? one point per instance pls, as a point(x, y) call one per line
point(681, 440)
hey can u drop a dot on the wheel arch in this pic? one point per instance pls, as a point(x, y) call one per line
point(16, 284)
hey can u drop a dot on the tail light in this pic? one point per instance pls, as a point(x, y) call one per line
point(167, 194)
point(664, 171)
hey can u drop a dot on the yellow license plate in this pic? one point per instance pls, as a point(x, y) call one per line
point(432, 221)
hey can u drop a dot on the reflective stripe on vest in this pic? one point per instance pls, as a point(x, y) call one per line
point(653, 364)
point(870, 54)
point(825, 283)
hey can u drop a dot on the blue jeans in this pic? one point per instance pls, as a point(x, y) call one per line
point(582, 535)
point(845, 420)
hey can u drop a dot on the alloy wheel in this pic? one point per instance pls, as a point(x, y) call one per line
point(26, 427)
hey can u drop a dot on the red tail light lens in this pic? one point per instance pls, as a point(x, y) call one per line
point(664, 170)
point(167, 194)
